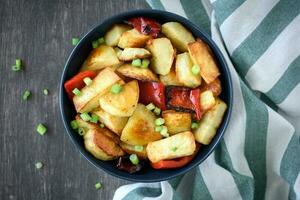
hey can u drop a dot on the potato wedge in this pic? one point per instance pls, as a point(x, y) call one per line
point(113, 35)
point(133, 38)
point(133, 53)
point(202, 56)
point(177, 122)
point(214, 86)
point(122, 104)
point(210, 122)
point(100, 57)
point(178, 34)
point(170, 79)
point(140, 128)
point(183, 68)
point(89, 97)
point(137, 73)
point(163, 55)
point(114, 123)
point(176, 146)
point(207, 100)
point(130, 149)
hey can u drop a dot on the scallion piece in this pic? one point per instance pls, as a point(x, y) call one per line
point(136, 62)
point(46, 92)
point(101, 125)
point(116, 89)
point(15, 68)
point(98, 186)
point(159, 121)
point(94, 118)
point(174, 149)
point(101, 40)
point(85, 117)
point(75, 41)
point(87, 80)
point(138, 148)
point(134, 159)
point(74, 124)
point(150, 106)
point(157, 111)
point(158, 128)
point(76, 92)
point(95, 44)
point(164, 131)
point(194, 125)
point(81, 131)
point(26, 95)
point(41, 129)
point(18, 63)
point(145, 63)
point(195, 70)
point(38, 165)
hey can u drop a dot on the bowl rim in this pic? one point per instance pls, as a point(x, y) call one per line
point(221, 59)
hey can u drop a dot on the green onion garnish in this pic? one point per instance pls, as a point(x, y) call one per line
point(159, 121)
point(74, 124)
point(101, 125)
point(76, 92)
point(41, 129)
point(194, 125)
point(87, 80)
point(145, 63)
point(134, 159)
point(94, 119)
point(174, 149)
point(136, 62)
point(85, 117)
point(38, 165)
point(98, 186)
point(150, 106)
point(157, 111)
point(164, 131)
point(81, 131)
point(158, 128)
point(15, 68)
point(18, 63)
point(95, 44)
point(195, 70)
point(138, 148)
point(46, 92)
point(75, 41)
point(116, 89)
point(101, 40)
point(26, 95)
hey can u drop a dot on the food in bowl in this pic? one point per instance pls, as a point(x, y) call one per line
point(147, 94)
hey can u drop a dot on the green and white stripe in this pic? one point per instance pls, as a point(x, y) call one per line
point(259, 156)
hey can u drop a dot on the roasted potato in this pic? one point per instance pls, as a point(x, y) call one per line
point(140, 128)
point(207, 100)
point(210, 122)
point(178, 34)
point(133, 53)
point(179, 145)
point(100, 57)
point(163, 55)
point(114, 123)
point(183, 67)
point(137, 73)
point(170, 79)
point(89, 97)
point(133, 38)
point(202, 56)
point(214, 86)
point(130, 149)
point(85, 125)
point(122, 104)
point(112, 36)
point(177, 122)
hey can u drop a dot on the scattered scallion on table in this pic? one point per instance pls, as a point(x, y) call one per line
point(26, 95)
point(18, 65)
point(41, 129)
point(45, 91)
point(98, 186)
point(39, 165)
point(75, 41)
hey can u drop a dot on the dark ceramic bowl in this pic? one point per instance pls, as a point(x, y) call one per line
point(80, 53)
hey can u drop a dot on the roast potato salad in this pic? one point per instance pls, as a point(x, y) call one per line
point(148, 93)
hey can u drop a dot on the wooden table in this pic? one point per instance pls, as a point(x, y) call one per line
point(40, 33)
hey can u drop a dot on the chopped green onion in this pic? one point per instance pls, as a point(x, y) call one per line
point(101, 40)
point(101, 125)
point(164, 131)
point(145, 63)
point(158, 128)
point(18, 63)
point(38, 165)
point(116, 89)
point(136, 62)
point(138, 148)
point(87, 80)
point(194, 125)
point(159, 121)
point(150, 106)
point(81, 131)
point(75, 41)
point(174, 149)
point(74, 124)
point(41, 129)
point(85, 117)
point(98, 186)
point(94, 119)
point(95, 44)
point(76, 92)
point(46, 92)
point(195, 70)
point(134, 159)
point(26, 95)
point(15, 68)
point(157, 111)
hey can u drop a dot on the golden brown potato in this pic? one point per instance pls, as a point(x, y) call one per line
point(179, 145)
point(207, 100)
point(184, 73)
point(163, 55)
point(202, 56)
point(130, 149)
point(89, 97)
point(114, 123)
point(210, 122)
point(140, 128)
point(100, 57)
point(137, 73)
point(177, 122)
point(112, 36)
point(170, 79)
point(214, 86)
point(122, 104)
point(133, 38)
point(178, 34)
point(133, 53)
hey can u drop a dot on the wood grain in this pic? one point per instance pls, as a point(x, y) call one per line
point(40, 33)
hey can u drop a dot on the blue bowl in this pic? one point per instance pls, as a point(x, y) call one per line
point(80, 53)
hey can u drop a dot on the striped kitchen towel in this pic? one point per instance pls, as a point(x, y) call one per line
point(259, 156)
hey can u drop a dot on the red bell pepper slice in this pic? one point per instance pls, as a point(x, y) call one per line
point(195, 99)
point(152, 92)
point(175, 163)
point(145, 26)
point(77, 82)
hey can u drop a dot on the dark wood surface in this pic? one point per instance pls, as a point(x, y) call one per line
point(40, 32)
